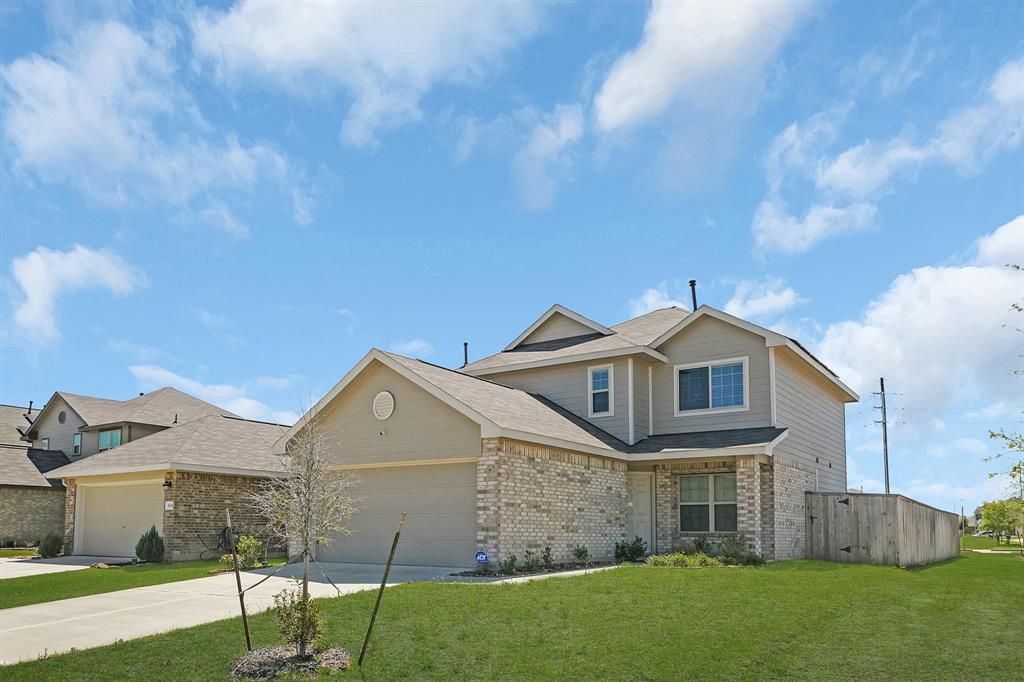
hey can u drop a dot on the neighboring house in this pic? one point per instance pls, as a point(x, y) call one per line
point(180, 480)
point(82, 429)
point(31, 505)
point(670, 426)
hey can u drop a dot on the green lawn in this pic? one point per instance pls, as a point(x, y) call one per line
point(17, 552)
point(971, 542)
point(799, 619)
point(53, 586)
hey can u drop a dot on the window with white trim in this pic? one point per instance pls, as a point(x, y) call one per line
point(601, 391)
point(707, 503)
point(45, 444)
point(76, 444)
point(711, 387)
point(109, 439)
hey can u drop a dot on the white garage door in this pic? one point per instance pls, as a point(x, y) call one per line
point(116, 516)
point(440, 525)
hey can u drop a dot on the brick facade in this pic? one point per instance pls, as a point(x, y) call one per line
point(27, 514)
point(70, 493)
point(791, 481)
point(530, 496)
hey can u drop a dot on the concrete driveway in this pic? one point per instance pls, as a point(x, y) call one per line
point(27, 632)
point(20, 567)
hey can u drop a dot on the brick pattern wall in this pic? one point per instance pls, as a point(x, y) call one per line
point(748, 501)
point(666, 491)
point(767, 511)
point(791, 480)
point(27, 514)
point(69, 516)
point(529, 496)
point(199, 504)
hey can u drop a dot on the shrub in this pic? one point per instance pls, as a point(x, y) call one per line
point(736, 550)
point(680, 560)
point(531, 561)
point(298, 618)
point(634, 550)
point(250, 553)
point(150, 546)
point(701, 545)
point(546, 558)
point(50, 546)
point(581, 553)
point(508, 564)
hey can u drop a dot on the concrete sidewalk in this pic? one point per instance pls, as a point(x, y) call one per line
point(17, 567)
point(27, 632)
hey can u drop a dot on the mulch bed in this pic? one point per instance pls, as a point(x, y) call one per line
point(263, 664)
point(520, 571)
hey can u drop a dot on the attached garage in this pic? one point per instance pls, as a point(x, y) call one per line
point(111, 518)
point(440, 527)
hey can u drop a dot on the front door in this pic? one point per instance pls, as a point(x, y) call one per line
point(641, 509)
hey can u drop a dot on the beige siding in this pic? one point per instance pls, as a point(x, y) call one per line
point(557, 326)
point(567, 386)
point(641, 403)
point(60, 435)
point(421, 427)
point(708, 340)
point(810, 407)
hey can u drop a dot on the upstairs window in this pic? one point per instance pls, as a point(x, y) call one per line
point(45, 443)
point(601, 391)
point(707, 504)
point(711, 387)
point(110, 439)
point(76, 444)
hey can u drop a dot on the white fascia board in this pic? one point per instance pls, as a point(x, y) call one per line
point(803, 355)
point(487, 427)
point(172, 466)
point(699, 453)
point(568, 359)
point(528, 437)
point(562, 310)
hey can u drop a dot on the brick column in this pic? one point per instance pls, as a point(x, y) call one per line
point(488, 525)
point(666, 508)
point(69, 517)
point(748, 500)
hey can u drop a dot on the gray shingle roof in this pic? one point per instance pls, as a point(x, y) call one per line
point(21, 466)
point(707, 440)
point(511, 408)
point(159, 408)
point(634, 333)
point(12, 418)
point(88, 407)
point(215, 441)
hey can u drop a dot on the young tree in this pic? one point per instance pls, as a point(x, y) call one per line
point(1002, 518)
point(308, 503)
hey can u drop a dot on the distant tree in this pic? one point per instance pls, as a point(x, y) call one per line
point(1011, 458)
point(1003, 518)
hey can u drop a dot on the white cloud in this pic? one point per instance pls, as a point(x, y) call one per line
point(45, 276)
point(848, 183)
point(105, 114)
point(1003, 247)
point(387, 55)
point(230, 397)
point(544, 159)
point(211, 320)
point(220, 216)
point(760, 298)
point(654, 298)
point(415, 348)
point(705, 54)
point(937, 332)
point(971, 446)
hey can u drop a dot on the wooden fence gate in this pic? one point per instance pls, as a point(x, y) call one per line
point(878, 529)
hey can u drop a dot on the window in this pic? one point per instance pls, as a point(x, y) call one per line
point(76, 444)
point(601, 391)
point(45, 443)
point(110, 439)
point(707, 503)
point(718, 386)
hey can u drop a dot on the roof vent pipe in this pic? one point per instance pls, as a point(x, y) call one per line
point(693, 292)
point(175, 417)
point(30, 407)
point(465, 353)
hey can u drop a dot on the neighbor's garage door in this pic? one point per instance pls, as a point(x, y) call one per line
point(440, 524)
point(117, 515)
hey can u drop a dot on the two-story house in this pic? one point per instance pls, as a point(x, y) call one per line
point(669, 426)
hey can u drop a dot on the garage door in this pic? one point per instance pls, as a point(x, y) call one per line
point(440, 525)
point(116, 516)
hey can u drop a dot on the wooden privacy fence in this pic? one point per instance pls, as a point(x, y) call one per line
point(878, 529)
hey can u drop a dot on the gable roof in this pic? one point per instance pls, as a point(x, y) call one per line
point(13, 423)
point(21, 466)
point(558, 309)
point(214, 443)
point(499, 410)
point(88, 407)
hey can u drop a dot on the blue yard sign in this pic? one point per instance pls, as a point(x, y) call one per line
point(481, 558)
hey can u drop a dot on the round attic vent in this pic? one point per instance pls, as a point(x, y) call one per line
point(62, 416)
point(383, 405)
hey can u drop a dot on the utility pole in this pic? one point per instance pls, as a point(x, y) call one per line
point(885, 434)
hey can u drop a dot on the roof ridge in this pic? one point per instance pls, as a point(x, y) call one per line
point(243, 419)
point(455, 371)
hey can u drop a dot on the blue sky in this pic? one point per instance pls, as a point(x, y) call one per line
point(241, 199)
